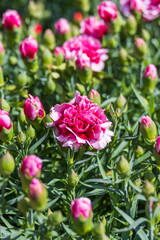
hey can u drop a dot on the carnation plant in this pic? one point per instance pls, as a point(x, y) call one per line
point(79, 120)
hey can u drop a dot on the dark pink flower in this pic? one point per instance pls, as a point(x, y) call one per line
point(5, 121)
point(107, 11)
point(82, 60)
point(62, 26)
point(157, 147)
point(58, 50)
point(28, 47)
point(11, 19)
point(1, 48)
point(146, 121)
point(33, 108)
point(151, 71)
point(79, 122)
point(35, 189)
point(93, 27)
point(31, 166)
point(88, 45)
point(81, 206)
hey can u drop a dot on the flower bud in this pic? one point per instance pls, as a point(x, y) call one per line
point(123, 167)
point(31, 132)
point(47, 57)
point(150, 77)
point(38, 194)
point(50, 86)
point(2, 53)
point(1, 77)
point(138, 182)
point(140, 48)
point(139, 151)
point(4, 105)
point(6, 129)
point(33, 108)
point(94, 97)
point(81, 209)
point(36, 9)
point(83, 5)
point(7, 164)
point(13, 60)
point(21, 137)
point(22, 116)
point(131, 25)
point(28, 48)
point(54, 218)
point(72, 179)
point(80, 87)
point(59, 54)
point(22, 79)
point(24, 205)
point(123, 56)
point(99, 229)
point(49, 39)
point(148, 189)
point(62, 26)
point(156, 151)
point(148, 129)
point(38, 29)
point(112, 42)
point(145, 35)
point(77, 17)
point(120, 102)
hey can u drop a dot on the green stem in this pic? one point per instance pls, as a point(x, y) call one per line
point(141, 75)
point(151, 230)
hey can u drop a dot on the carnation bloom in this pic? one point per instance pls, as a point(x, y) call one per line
point(107, 11)
point(149, 8)
point(62, 26)
point(79, 122)
point(5, 121)
point(82, 60)
point(157, 146)
point(93, 27)
point(11, 19)
point(81, 206)
point(31, 166)
point(38, 29)
point(1, 48)
point(28, 47)
point(151, 71)
point(33, 108)
point(88, 45)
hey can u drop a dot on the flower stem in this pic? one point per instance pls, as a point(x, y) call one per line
point(151, 230)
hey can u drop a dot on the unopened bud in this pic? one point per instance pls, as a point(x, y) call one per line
point(112, 42)
point(22, 116)
point(148, 189)
point(7, 164)
point(131, 25)
point(80, 87)
point(4, 105)
point(120, 102)
point(13, 60)
point(22, 79)
point(21, 137)
point(50, 86)
point(47, 57)
point(99, 229)
point(55, 218)
point(123, 167)
point(24, 205)
point(31, 132)
point(94, 97)
point(150, 77)
point(145, 35)
point(138, 182)
point(1, 77)
point(139, 151)
point(123, 56)
point(72, 179)
point(140, 48)
point(148, 129)
point(49, 39)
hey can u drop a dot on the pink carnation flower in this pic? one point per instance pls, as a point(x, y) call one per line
point(146, 121)
point(81, 206)
point(79, 122)
point(82, 60)
point(149, 8)
point(151, 71)
point(88, 45)
point(11, 19)
point(35, 189)
point(31, 166)
point(93, 27)
point(28, 47)
point(1, 48)
point(62, 26)
point(5, 121)
point(107, 11)
point(157, 147)
point(33, 108)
